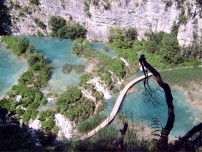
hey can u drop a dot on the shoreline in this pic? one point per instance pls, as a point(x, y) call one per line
point(23, 69)
point(142, 130)
point(189, 95)
point(3, 45)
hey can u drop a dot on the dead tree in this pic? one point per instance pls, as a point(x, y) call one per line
point(163, 141)
point(121, 139)
point(196, 129)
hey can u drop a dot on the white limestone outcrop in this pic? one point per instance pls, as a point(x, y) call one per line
point(66, 127)
point(100, 87)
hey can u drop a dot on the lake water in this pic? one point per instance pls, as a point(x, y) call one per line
point(58, 52)
point(10, 70)
point(98, 46)
point(137, 107)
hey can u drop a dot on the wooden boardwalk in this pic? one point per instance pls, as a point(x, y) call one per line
point(115, 108)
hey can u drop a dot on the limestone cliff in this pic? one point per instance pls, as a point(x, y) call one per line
point(98, 16)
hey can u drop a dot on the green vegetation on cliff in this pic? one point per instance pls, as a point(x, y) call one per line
point(122, 42)
point(61, 29)
point(162, 49)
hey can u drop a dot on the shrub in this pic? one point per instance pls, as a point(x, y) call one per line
point(71, 95)
point(93, 122)
point(84, 78)
point(56, 23)
point(61, 30)
point(48, 124)
point(34, 2)
point(95, 2)
point(169, 3)
point(67, 68)
point(182, 17)
point(40, 23)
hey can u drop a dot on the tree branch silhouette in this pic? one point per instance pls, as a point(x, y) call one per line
point(189, 134)
point(163, 141)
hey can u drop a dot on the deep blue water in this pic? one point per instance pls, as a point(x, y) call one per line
point(10, 70)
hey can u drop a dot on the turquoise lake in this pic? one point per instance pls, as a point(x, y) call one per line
point(135, 105)
point(58, 52)
point(98, 46)
point(10, 70)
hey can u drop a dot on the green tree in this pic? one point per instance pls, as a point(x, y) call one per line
point(170, 50)
point(154, 42)
point(44, 115)
point(48, 124)
point(31, 49)
point(117, 67)
point(26, 116)
point(34, 58)
point(84, 78)
point(22, 46)
point(40, 23)
point(5, 104)
point(131, 33)
point(56, 23)
point(72, 32)
point(34, 2)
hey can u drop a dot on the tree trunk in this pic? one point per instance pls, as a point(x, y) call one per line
point(189, 134)
point(163, 141)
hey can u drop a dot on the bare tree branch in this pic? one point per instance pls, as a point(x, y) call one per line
point(163, 141)
point(188, 135)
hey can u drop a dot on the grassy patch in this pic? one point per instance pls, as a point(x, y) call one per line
point(90, 124)
point(182, 77)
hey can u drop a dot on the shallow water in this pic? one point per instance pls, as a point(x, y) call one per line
point(137, 107)
point(10, 70)
point(58, 53)
point(98, 46)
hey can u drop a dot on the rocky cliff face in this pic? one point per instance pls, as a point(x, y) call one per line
point(98, 18)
